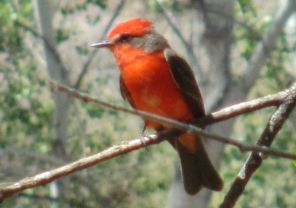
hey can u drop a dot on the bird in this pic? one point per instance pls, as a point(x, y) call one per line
point(155, 79)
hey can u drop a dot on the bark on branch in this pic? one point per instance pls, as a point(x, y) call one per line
point(255, 159)
point(287, 99)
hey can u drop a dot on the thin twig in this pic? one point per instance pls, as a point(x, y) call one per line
point(21, 23)
point(190, 127)
point(171, 24)
point(245, 107)
point(255, 159)
point(128, 146)
point(264, 47)
point(218, 116)
point(85, 67)
point(175, 29)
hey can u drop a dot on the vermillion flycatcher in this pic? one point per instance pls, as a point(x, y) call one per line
point(153, 78)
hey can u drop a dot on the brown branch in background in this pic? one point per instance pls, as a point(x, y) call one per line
point(172, 25)
point(187, 45)
point(128, 146)
point(255, 159)
point(28, 27)
point(201, 5)
point(264, 47)
point(85, 67)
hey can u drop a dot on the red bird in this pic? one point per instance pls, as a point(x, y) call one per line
point(153, 78)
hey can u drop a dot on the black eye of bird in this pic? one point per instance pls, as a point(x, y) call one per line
point(124, 38)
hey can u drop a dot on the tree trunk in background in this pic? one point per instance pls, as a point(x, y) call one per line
point(57, 72)
point(218, 21)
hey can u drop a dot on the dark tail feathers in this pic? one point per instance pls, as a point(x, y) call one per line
point(197, 169)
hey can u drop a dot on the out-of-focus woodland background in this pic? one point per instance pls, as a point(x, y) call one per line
point(222, 40)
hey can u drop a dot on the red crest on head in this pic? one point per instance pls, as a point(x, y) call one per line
point(134, 27)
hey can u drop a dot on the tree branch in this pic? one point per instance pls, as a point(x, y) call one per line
point(186, 44)
point(48, 176)
point(255, 159)
point(264, 48)
point(27, 27)
point(222, 114)
point(288, 98)
point(245, 107)
point(85, 67)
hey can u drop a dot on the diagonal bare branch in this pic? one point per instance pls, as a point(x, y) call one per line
point(220, 115)
point(276, 122)
point(185, 126)
point(187, 45)
point(48, 176)
point(85, 67)
point(255, 159)
point(264, 48)
point(245, 107)
point(27, 27)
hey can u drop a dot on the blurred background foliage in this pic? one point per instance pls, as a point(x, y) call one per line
point(142, 178)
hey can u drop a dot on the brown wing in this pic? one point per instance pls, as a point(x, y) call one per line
point(197, 169)
point(185, 80)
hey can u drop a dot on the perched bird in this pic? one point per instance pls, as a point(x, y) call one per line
point(155, 79)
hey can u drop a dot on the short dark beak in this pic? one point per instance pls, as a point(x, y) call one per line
point(103, 44)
